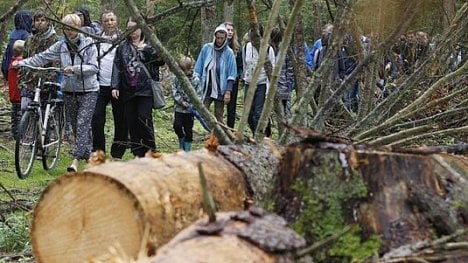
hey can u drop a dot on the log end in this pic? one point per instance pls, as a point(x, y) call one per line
point(79, 216)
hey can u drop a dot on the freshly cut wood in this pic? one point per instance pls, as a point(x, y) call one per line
point(81, 215)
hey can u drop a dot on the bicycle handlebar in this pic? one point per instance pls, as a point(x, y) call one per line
point(43, 69)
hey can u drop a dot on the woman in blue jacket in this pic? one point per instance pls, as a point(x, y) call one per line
point(216, 66)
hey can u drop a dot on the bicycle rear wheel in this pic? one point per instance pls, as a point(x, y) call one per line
point(53, 139)
point(26, 144)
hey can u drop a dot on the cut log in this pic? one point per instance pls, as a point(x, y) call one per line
point(247, 236)
point(81, 215)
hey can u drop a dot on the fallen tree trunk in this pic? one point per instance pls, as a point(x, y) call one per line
point(397, 199)
point(318, 187)
point(81, 215)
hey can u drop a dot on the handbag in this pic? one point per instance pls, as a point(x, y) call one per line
point(159, 101)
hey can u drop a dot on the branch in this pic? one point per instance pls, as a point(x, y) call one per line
point(171, 62)
point(262, 55)
point(12, 10)
point(425, 251)
point(409, 133)
point(324, 242)
point(270, 98)
point(429, 150)
point(301, 109)
point(208, 202)
point(414, 107)
point(445, 132)
point(329, 11)
point(438, 118)
point(179, 8)
point(452, 34)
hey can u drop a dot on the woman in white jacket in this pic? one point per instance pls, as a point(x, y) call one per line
point(77, 55)
point(250, 59)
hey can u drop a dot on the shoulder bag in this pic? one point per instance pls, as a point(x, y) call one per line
point(159, 101)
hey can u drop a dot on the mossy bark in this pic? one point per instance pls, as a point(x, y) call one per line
point(395, 198)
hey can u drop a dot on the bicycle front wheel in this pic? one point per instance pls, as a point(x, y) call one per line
point(26, 144)
point(53, 139)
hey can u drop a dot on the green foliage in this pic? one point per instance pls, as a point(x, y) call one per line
point(14, 233)
point(326, 201)
point(351, 247)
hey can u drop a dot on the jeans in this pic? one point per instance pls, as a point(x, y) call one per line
point(257, 107)
point(219, 107)
point(352, 98)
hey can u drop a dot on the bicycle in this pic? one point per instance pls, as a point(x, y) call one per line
point(40, 128)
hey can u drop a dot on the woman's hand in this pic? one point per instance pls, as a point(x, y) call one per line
point(227, 97)
point(68, 70)
point(115, 93)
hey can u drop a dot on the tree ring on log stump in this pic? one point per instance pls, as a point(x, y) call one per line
point(60, 227)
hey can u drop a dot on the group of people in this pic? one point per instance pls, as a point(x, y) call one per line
point(95, 73)
point(108, 71)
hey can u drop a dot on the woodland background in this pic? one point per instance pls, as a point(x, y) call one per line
point(426, 107)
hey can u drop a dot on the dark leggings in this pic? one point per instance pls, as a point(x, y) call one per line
point(138, 114)
point(232, 105)
point(183, 126)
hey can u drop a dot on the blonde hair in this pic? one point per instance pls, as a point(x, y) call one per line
point(18, 47)
point(185, 63)
point(72, 20)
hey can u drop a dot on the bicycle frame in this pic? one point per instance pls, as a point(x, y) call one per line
point(47, 123)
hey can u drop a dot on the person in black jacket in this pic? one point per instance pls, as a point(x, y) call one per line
point(134, 61)
point(235, 46)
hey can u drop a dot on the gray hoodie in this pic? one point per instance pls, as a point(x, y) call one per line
point(84, 78)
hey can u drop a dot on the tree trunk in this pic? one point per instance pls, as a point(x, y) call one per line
point(107, 4)
point(229, 11)
point(448, 7)
point(150, 6)
point(208, 23)
point(402, 198)
point(81, 215)
point(320, 186)
point(299, 65)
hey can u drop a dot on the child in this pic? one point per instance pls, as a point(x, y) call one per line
point(183, 118)
point(13, 91)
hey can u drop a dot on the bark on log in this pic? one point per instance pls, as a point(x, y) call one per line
point(81, 215)
point(402, 198)
point(235, 237)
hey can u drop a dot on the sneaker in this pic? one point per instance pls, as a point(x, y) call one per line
point(73, 168)
point(39, 154)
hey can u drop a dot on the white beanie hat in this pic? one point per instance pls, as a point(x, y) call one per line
point(221, 28)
